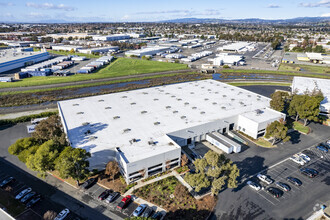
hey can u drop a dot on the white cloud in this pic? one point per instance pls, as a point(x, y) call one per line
point(4, 4)
point(325, 15)
point(50, 6)
point(273, 6)
point(322, 3)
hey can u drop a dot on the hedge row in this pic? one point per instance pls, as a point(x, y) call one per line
point(26, 118)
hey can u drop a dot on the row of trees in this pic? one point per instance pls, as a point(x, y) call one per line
point(47, 150)
point(213, 170)
point(305, 106)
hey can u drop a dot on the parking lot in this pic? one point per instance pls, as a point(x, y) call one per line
point(95, 190)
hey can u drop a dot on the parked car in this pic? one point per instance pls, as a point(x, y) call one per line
point(112, 197)
point(295, 158)
point(253, 185)
point(33, 201)
point(23, 193)
point(104, 194)
point(264, 178)
point(304, 157)
point(138, 211)
point(64, 213)
point(7, 181)
point(322, 148)
point(294, 181)
point(28, 196)
point(277, 193)
point(157, 215)
point(124, 202)
point(309, 172)
point(88, 183)
point(147, 213)
point(283, 186)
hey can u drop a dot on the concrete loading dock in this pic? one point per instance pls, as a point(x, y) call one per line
point(223, 143)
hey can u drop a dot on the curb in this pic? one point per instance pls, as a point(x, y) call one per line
point(62, 180)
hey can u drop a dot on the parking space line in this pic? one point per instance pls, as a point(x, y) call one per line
point(20, 189)
point(266, 198)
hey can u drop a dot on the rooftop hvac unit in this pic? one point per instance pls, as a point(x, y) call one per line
point(143, 112)
point(80, 113)
point(108, 107)
point(116, 117)
point(258, 112)
point(126, 130)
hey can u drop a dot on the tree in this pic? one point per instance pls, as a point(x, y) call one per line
point(198, 181)
point(184, 160)
point(72, 51)
point(279, 100)
point(310, 110)
point(112, 169)
point(200, 165)
point(43, 159)
point(296, 102)
point(218, 184)
point(73, 162)
point(21, 145)
point(212, 158)
point(49, 215)
point(318, 49)
point(234, 173)
point(50, 128)
point(214, 172)
point(278, 131)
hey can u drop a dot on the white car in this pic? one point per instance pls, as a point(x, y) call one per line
point(23, 193)
point(254, 185)
point(295, 158)
point(264, 178)
point(62, 214)
point(304, 157)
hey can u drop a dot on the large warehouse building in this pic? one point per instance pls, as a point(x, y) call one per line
point(12, 59)
point(145, 129)
point(113, 37)
point(302, 84)
point(148, 51)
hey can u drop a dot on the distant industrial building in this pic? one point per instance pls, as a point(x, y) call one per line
point(18, 43)
point(302, 84)
point(99, 50)
point(237, 47)
point(113, 37)
point(12, 59)
point(66, 48)
point(145, 129)
point(314, 57)
point(226, 59)
point(148, 51)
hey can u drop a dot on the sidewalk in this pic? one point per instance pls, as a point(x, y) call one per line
point(20, 114)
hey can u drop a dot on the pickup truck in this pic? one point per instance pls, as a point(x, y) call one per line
point(124, 202)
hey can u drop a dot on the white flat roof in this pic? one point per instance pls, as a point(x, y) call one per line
point(236, 46)
point(14, 54)
point(261, 115)
point(152, 113)
point(301, 84)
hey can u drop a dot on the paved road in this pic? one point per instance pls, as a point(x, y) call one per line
point(54, 191)
point(91, 81)
point(242, 203)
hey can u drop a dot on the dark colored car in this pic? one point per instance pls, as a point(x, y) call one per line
point(157, 215)
point(147, 213)
point(283, 186)
point(33, 201)
point(88, 183)
point(275, 192)
point(104, 194)
point(309, 172)
point(322, 148)
point(28, 196)
point(112, 197)
point(7, 181)
point(294, 181)
point(124, 202)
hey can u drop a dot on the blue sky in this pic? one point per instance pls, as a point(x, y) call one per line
point(155, 10)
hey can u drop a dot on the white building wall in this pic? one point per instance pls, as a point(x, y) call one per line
point(247, 126)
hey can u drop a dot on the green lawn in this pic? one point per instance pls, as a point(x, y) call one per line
point(307, 68)
point(120, 67)
point(300, 127)
point(65, 53)
point(263, 143)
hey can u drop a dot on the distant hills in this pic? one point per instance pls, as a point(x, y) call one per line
point(249, 20)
